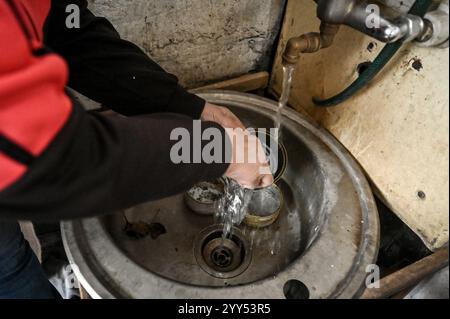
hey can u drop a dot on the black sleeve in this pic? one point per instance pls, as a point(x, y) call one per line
point(100, 163)
point(58, 161)
point(113, 71)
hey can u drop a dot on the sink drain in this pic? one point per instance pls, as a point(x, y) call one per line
point(222, 257)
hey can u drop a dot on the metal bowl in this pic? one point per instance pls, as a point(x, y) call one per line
point(202, 198)
point(277, 159)
point(264, 207)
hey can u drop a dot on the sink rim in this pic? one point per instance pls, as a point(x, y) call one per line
point(348, 287)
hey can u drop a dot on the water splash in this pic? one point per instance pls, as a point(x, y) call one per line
point(232, 206)
point(288, 72)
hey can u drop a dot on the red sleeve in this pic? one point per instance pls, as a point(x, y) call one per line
point(58, 161)
point(33, 103)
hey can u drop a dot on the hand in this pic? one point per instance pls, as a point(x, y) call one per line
point(221, 115)
point(249, 166)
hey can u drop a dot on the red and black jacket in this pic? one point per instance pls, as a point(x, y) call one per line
point(58, 161)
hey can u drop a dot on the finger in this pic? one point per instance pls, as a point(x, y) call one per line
point(248, 184)
point(265, 180)
point(265, 169)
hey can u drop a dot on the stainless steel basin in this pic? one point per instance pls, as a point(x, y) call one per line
point(326, 234)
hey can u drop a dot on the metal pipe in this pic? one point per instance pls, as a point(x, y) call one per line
point(437, 31)
point(309, 43)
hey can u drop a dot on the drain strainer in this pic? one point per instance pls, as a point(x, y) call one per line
point(222, 257)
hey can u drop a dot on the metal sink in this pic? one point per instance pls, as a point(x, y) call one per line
point(319, 247)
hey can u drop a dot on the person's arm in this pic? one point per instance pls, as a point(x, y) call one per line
point(113, 71)
point(121, 76)
point(58, 161)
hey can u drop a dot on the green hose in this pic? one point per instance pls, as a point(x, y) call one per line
point(419, 8)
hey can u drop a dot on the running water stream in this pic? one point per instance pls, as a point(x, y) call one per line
point(232, 207)
point(288, 72)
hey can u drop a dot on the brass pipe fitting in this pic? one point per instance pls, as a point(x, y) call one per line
point(309, 43)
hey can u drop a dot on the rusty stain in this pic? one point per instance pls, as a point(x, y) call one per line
point(140, 229)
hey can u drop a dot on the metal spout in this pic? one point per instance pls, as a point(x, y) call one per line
point(309, 43)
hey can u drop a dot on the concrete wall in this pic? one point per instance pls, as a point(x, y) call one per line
point(200, 41)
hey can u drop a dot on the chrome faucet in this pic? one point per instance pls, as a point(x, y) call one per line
point(368, 18)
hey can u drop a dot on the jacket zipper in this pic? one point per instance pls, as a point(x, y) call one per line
point(32, 24)
point(31, 36)
point(16, 13)
point(7, 146)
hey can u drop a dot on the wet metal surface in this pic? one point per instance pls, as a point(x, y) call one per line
point(172, 255)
